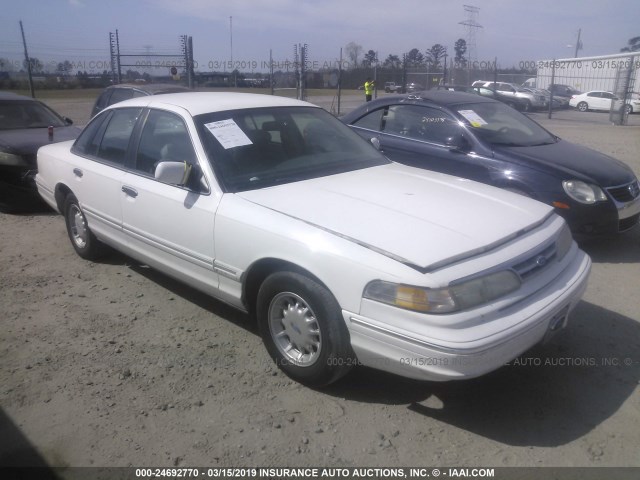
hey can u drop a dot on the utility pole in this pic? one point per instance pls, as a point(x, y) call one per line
point(578, 43)
point(28, 60)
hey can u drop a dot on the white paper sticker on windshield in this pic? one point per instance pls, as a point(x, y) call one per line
point(228, 133)
point(474, 119)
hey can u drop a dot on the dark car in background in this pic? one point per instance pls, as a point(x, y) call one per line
point(125, 91)
point(25, 125)
point(477, 138)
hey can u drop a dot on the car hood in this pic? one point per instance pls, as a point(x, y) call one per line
point(26, 141)
point(423, 219)
point(575, 161)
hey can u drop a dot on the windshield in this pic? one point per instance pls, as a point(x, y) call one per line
point(14, 115)
point(499, 124)
point(261, 147)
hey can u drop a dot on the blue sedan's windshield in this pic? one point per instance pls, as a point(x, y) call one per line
point(499, 124)
point(261, 147)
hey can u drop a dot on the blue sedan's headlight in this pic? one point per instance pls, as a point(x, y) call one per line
point(12, 160)
point(583, 192)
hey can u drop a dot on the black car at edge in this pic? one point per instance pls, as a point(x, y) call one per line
point(478, 138)
point(25, 125)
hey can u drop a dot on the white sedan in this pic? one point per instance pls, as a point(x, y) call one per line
point(275, 207)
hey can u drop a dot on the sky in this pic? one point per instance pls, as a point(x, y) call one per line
point(246, 31)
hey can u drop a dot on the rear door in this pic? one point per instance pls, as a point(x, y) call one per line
point(97, 181)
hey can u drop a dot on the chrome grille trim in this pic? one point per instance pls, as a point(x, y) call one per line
point(536, 262)
point(625, 193)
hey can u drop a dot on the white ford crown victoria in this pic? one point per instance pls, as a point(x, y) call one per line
point(275, 207)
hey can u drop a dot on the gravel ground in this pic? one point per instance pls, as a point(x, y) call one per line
point(114, 364)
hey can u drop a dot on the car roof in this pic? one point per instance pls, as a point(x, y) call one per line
point(14, 96)
point(447, 97)
point(151, 88)
point(197, 103)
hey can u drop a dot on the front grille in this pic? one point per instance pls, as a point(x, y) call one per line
point(625, 193)
point(627, 223)
point(536, 262)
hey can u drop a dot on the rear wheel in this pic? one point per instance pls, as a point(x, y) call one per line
point(628, 109)
point(302, 328)
point(82, 238)
point(583, 106)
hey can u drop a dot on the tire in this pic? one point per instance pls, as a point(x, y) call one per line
point(583, 107)
point(83, 240)
point(302, 328)
point(628, 109)
point(527, 107)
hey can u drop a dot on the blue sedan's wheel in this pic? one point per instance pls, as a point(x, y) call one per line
point(303, 330)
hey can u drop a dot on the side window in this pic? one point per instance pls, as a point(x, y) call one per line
point(103, 99)
point(89, 140)
point(114, 143)
point(371, 121)
point(120, 95)
point(420, 123)
point(595, 94)
point(164, 139)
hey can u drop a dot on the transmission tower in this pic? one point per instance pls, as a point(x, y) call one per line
point(472, 25)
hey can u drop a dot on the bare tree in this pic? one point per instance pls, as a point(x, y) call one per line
point(353, 51)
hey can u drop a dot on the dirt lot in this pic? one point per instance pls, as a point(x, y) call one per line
point(114, 364)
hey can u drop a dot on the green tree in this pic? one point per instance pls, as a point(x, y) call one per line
point(392, 61)
point(434, 56)
point(460, 48)
point(370, 58)
point(414, 58)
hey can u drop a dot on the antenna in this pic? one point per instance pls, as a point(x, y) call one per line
point(472, 26)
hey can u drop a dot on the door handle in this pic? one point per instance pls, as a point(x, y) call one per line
point(129, 191)
point(77, 172)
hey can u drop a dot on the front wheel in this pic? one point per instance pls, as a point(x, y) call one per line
point(302, 328)
point(583, 107)
point(628, 109)
point(82, 238)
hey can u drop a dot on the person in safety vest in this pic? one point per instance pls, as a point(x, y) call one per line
point(368, 89)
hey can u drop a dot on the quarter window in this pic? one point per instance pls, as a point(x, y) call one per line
point(371, 121)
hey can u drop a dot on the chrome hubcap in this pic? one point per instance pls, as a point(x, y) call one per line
point(78, 226)
point(294, 329)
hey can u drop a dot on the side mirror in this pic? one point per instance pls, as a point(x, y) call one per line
point(457, 143)
point(67, 121)
point(375, 141)
point(174, 173)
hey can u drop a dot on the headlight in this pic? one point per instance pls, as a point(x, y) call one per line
point(464, 295)
point(12, 160)
point(583, 192)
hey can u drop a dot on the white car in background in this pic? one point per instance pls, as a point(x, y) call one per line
point(594, 100)
point(275, 207)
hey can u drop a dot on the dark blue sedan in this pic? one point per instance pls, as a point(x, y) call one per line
point(481, 139)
